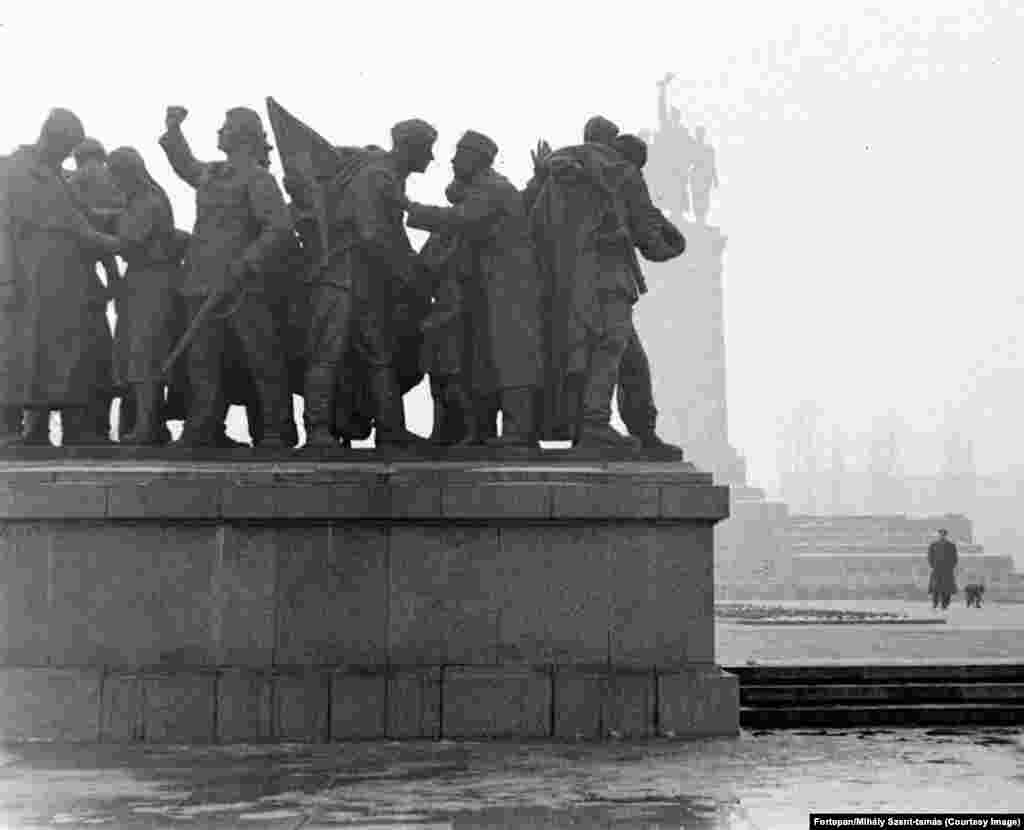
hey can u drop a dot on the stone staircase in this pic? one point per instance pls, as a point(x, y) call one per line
point(787, 696)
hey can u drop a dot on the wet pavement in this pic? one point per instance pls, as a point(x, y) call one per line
point(762, 780)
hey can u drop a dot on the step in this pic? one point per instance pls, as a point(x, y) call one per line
point(872, 694)
point(764, 675)
point(976, 714)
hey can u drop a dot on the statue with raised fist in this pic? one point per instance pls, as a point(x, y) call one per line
point(241, 226)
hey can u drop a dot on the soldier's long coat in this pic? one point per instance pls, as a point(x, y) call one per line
point(49, 356)
point(503, 291)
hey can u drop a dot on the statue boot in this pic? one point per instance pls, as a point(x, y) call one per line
point(149, 430)
point(10, 426)
point(650, 440)
point(437, 391)
point(519, 426)
point(387, 398)
point(487, 423)
point(596, 431)
point(473, 415)
point(275, 404)
point(655, 443)
point(127, 415)
point(36, 429)
point(319, 385)
point(572, 396)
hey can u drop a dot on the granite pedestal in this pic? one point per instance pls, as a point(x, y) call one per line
point(291, 600)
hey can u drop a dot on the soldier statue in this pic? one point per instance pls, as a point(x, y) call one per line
point(590, 214)
point(358, 299)
point(501, 294)
point(48, 286)
point(241, 226)
point(98, 195)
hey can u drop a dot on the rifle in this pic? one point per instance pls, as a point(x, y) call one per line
point(202, 316)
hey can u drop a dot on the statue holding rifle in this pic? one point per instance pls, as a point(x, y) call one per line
point(241, 225)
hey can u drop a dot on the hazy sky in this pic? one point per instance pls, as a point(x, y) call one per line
point(868, 156)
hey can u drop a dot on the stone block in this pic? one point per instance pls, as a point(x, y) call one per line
point(662, 588)
point(179, 707)
point(556, 604)
point(629, 705)
point(606, 500)
point(578, 702)
point(702, 701)
point(414, 500)
point(55, 501)
point(300, 706)
point(358, 706)
point(277, 501)
point(122, 708)
point(245, 710)
point(243, 606)
point(496, 703)
point(132, 594)
point(445, 593)
point(24, 593)
point(595, 703)
point(332, 595)
point(165, 499)
point(414, 703)
point(369, 499)
point(682, 501)
point(49, 704)
point(511, 500)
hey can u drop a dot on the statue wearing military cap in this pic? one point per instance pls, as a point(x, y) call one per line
point(46, 290)
point(363, 303)
point(500, 295)
point(242, 224)
point(479, 143)
point(599, 130)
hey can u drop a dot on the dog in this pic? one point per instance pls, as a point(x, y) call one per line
point(974, 593)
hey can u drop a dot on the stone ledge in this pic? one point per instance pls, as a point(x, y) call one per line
point(53, 501)
point(241, 705)
point(430, 491)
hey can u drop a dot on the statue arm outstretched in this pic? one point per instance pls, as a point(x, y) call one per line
point(179, 154)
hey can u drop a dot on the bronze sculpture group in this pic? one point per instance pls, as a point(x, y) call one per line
point(520, 302)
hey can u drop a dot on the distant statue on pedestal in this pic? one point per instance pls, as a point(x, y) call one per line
point(681, 169)
point(703, 176)
point(671, 154)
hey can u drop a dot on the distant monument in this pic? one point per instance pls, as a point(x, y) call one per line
point(682, 167)
point(689, 325)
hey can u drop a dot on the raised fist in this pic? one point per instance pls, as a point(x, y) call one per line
point(174, 117)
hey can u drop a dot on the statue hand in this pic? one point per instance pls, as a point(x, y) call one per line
point(540, 155)
point(174, 117)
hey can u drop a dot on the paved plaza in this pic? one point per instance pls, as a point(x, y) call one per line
point(758, 780)
point(763, 780)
